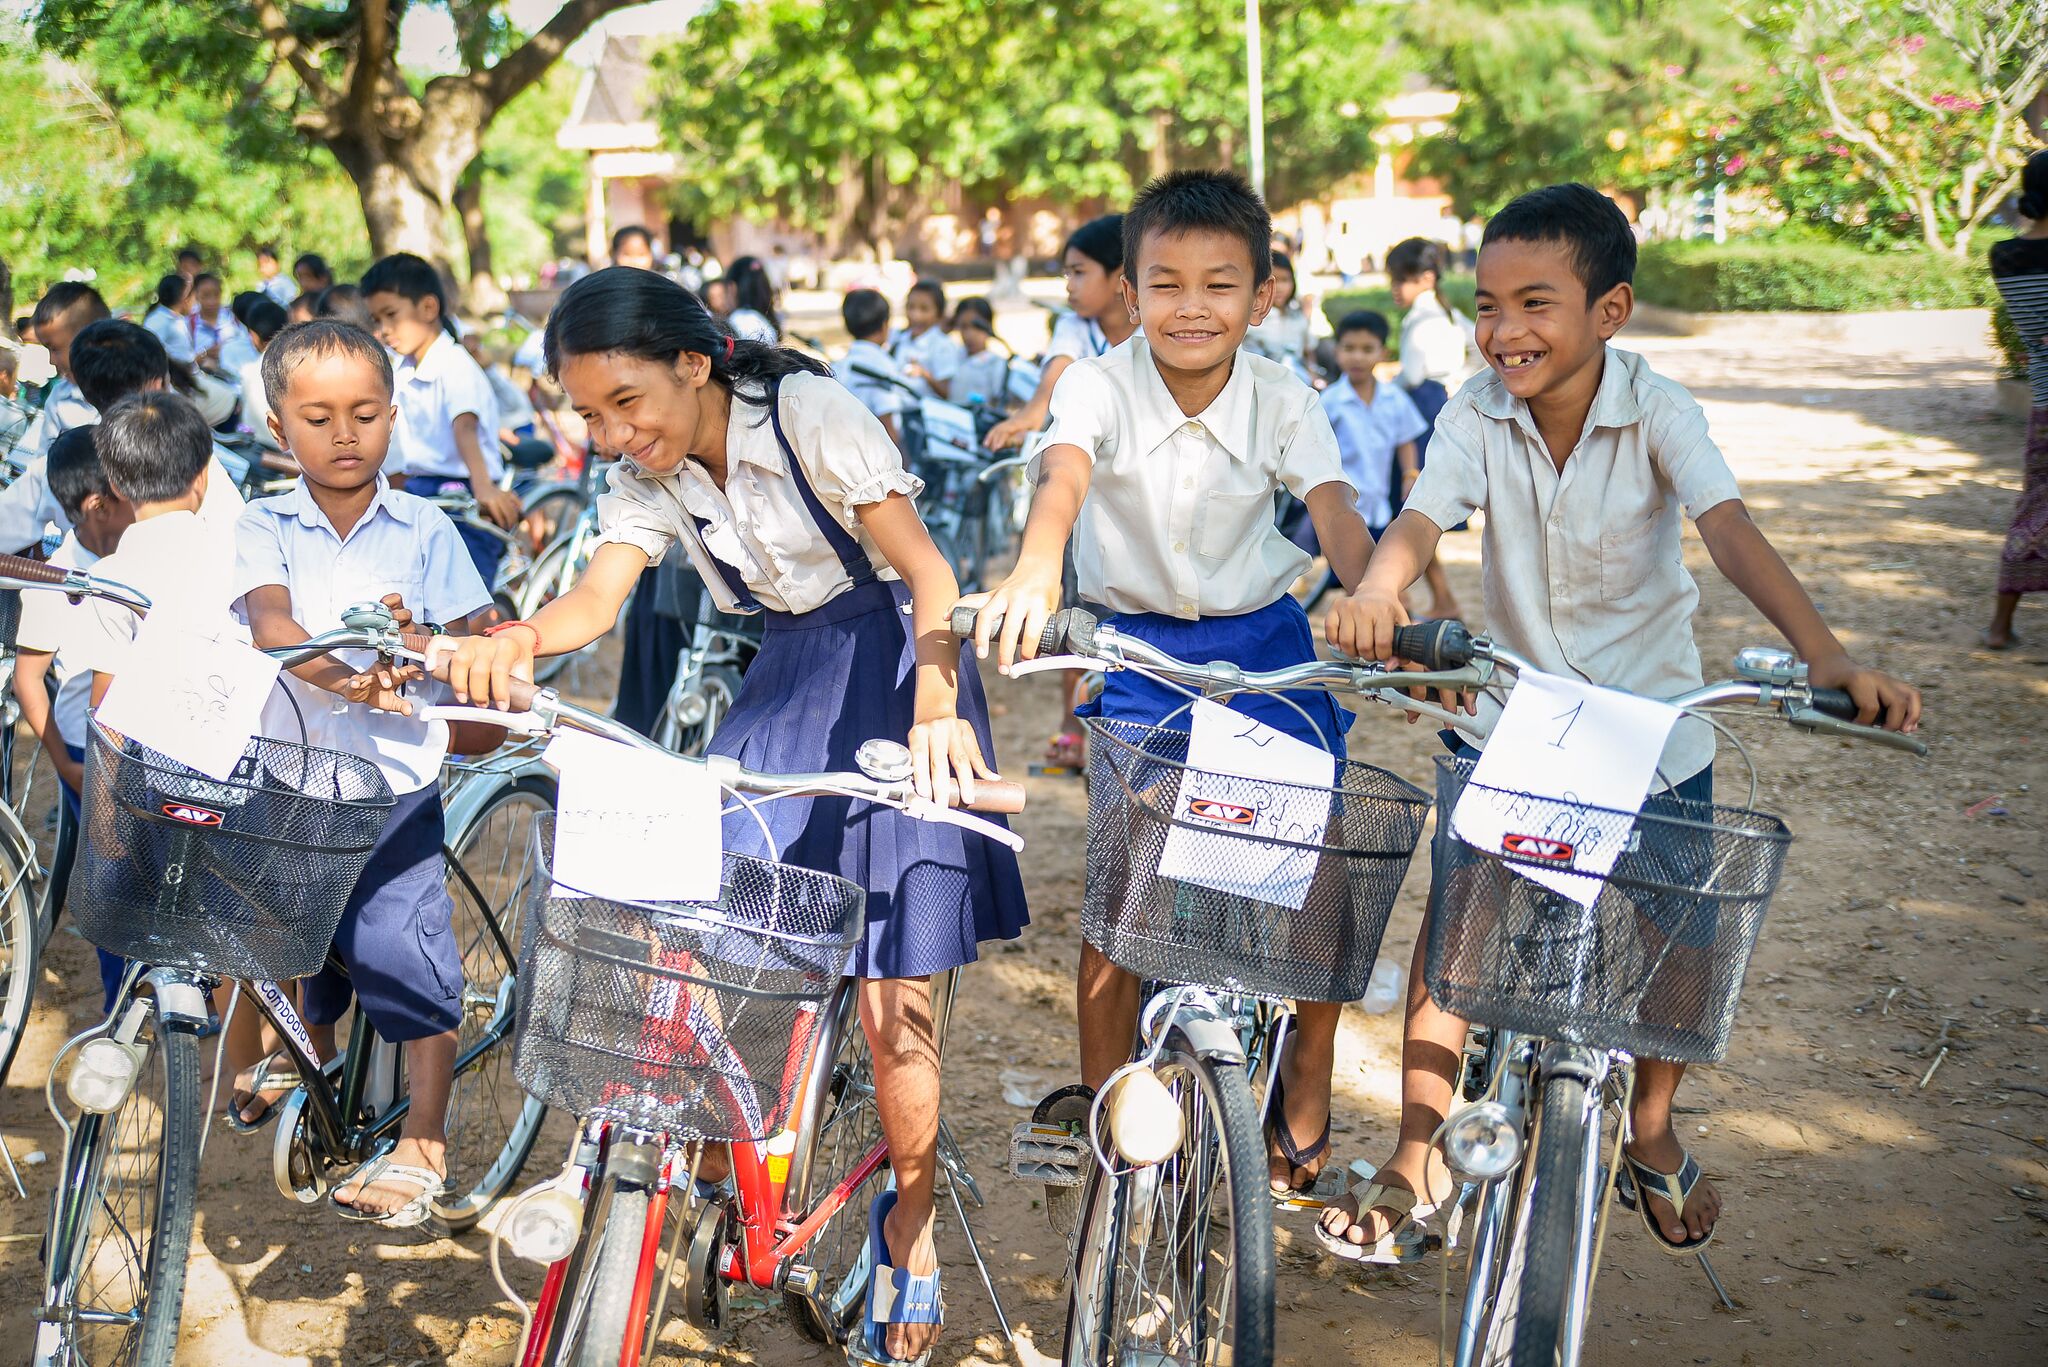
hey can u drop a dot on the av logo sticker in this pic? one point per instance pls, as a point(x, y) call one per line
point(1537, 847)
point(191, 815)
point(1220, 813)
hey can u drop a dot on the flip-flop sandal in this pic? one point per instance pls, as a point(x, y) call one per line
point(1637, 1177)
point(894, 1296)
point(266, 1080)
point(1067, 752)
point(1390, 1247)
point(413, 1213)
point(1297, 1156)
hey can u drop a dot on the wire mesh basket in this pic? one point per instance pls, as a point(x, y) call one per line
point(1248, 910)
point(684, 1018)
point(1654, 966)
point(10, 618)
point(244, 877)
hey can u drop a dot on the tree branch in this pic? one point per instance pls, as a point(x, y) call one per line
point(270, 17)
point(526, 64)
point(373, 50)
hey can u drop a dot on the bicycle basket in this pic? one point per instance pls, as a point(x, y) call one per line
point(687, 1019)
point(1140, 791)
point(245, 877)
point(1654, 966)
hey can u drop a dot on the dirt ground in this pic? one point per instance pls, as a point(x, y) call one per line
point(1872, 1216)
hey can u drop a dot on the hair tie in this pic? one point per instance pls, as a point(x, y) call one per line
point(728, 350)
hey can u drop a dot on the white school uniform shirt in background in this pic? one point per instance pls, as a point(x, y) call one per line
point(1435, 345)
point(934, 349)
point(282, 288)
point(237, 350)
point(759, 523)
point(432, 393)
point(515, 410)
point(172, 330)
point(1583, 569)
point(64, 409)
point(878, 396)
point(984, 375)
point(1367, 435)
point(403, 545)
point(1075, 336)
point(28, 508)
point(751, 325)
point(256, 404)
point(50, 623)
point(1179, 517)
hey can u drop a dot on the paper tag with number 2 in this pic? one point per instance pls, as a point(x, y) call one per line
point(190, 695)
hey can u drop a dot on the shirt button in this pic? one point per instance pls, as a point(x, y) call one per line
point(1193, 429)
point(1187, 484)
point(1179, 547)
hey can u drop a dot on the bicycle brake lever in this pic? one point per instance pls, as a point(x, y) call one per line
point(1051, 662)
point(1806, 719)
point(924, 809)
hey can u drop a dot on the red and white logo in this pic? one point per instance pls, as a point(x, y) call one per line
point(1537, 847)
point(191, 815)
point(1222, 813)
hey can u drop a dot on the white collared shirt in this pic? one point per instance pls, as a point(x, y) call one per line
point(183, 565)
point(1435, 345)
point(64, 409)
point(759, 523)
point(934, 349)
point(281, 288)
point(403, 545)
point(1368, 434)
point(51, 624)
point(28, 508)
point(1583, 569)
point(172, 329)
point(984, 375)
point(1075, 336)
point(878, 396)
point(432, 393)
point(1179, 517)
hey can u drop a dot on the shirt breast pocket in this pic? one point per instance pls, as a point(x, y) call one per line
point(1628, 559)
point(1229, 520)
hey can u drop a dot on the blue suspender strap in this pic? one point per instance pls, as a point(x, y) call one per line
point(735, 585)
point(851, 557)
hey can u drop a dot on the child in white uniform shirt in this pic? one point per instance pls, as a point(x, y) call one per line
point(64, 311)
point(924, 352)
point(1582, 458)
point(169, 319)
point(984, 373)
point(1163, 463)
point(868, 369)
point(1095, 321)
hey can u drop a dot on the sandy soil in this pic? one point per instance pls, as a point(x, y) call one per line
point(1870, 1219)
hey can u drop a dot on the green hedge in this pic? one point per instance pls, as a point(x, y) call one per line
point(1458, 288)
point(2012, 352)
point(1699, 277)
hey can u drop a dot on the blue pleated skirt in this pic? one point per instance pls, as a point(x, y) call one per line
point(1271, 637)
point(824, 682)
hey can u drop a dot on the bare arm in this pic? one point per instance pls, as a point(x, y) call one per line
point(1032, 592)
point(499, 505)
point(482, 667)
point(32, 687)
point(1028, 419)
point(1342, 533)
point(1363, 624)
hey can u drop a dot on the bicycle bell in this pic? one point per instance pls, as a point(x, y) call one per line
point(366, 616)
point(884, 761)
point(1769, 664)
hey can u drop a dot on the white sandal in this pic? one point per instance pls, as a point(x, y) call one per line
point(415, 1212)
point(1390, 1247)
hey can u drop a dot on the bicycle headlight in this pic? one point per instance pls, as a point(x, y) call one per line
point(102, 1075)
point(1144, 1120)
point(1482, 1141)
point(544, 1227)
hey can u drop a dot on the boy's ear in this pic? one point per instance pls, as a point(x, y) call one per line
point(1128, 292)
point(277, 430)
point(1612, 310)
point(1262, 300)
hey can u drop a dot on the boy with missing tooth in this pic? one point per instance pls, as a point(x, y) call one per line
point(1163, 461)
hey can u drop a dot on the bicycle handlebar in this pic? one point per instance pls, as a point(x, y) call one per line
point(27, 571)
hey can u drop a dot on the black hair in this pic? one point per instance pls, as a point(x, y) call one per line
point(64, 297)
point(865, 313)
point(112, 359)
point(74, 470)
point(172, 289)
point(239, 305)
point(190, 254)
point(268, 249)
point(202, 278)
point(266, 318)
point(1202, 201)
point(1283, 262)
point(412, 278)
point(321, 337)
point(931, 287)
point(1101, 240)
point(1364, 320)
point(316, 263)
point(752, 289)
point(976, 306)
point(153, 446)
point(10, 361)
point(638, 313)
point(1587, 224)
point(344, 302)
point(625, 234)
point(1414, 257)
point(2034, 187)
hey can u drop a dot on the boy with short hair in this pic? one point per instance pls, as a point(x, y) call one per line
point(65, 310)
point(274, 283)
point(867, 367)
point(341, 535)
point(1582, 459)
point(1164, 460)
point(1377, 424)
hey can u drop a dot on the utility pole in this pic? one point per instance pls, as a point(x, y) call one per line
point(1255, 91)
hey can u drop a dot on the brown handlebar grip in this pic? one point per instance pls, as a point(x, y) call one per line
point(29, 571)
point(999, 796)
point(523, 693)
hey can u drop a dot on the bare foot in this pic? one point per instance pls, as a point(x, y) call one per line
point(912, 1250)
point(1663, 1152)
point(1996, 638)
point(1342, 1218)
point(391, 1191)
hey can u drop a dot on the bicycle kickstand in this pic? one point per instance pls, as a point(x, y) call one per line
point(1719, 1290)
point(980, 1263)
point(13, 1173)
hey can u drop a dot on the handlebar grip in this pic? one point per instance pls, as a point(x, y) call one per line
point(1836, 703)
point(1059, 628)
point(523, 693)
point(29, 571)
point(1435, 645)
point(1000, 797)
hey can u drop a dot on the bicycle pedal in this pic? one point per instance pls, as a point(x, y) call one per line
point(1055, 1155)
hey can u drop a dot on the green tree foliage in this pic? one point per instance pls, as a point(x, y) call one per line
point(534, 190)
point(842, 115)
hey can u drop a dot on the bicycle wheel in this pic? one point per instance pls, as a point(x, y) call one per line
point(717, 688)
point(548, 513)
point(121, 1230)
point(1174, 1263)
point(20, 957)
point(555, 572)
point(612, 1275)
point(1553, 1223)
point(492, 1124)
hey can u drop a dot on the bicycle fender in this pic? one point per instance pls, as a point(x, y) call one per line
point(178, 998)
point(1209, 1038)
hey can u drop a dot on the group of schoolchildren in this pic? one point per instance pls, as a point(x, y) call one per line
point(932, 356)
point(1169, 443)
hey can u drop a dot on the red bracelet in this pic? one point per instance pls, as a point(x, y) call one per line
point(507, 626)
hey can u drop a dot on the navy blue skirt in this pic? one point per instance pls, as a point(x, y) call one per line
point(824, 682)
point(1271, 637)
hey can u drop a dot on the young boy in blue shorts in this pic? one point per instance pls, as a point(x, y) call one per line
point(340, 536)
point(1582, 459)
point(1164, 460)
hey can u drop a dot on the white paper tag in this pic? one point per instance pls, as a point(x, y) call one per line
point(634, 824)
point(1580, 747)
point(189, 695)
point(1248, 779)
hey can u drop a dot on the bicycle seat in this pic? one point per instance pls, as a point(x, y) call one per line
point(529, 455)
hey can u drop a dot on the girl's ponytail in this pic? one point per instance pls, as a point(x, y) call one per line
point(1416, 257)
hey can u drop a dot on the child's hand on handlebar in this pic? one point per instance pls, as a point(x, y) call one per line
point(1362, 624)
point(382, 687)
point(1881, 700)
point(1012, 616)
point(945, 759)
point(481, 668)
point(501, 506)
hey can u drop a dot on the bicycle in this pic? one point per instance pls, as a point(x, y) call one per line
point(709, 670)
point(666, 1026)
point(199, 882)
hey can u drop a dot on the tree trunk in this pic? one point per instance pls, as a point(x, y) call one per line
point(401, 214)
point(483, 294)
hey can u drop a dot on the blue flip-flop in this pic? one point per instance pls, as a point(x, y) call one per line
point(895, 1296)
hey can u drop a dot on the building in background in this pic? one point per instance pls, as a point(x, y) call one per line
point(1348, 231)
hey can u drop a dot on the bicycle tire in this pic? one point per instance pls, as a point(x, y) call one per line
point(848, 1127)
point(612, 1276)
point(167, 1092)
point(1229, 1125)
point(1553, 1223)
point(555, 572)
point(492, 1124)
point(21, 954)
